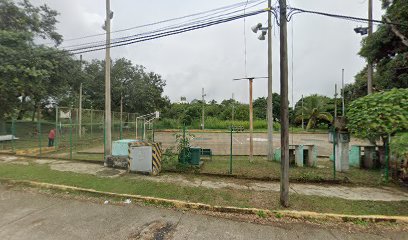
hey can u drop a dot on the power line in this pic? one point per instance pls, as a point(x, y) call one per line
point(145, 38)
point(293, 11)
point(164, 34)
point(185, 23)
point(225, 8)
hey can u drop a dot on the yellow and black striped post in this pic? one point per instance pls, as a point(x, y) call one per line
point(156, 155)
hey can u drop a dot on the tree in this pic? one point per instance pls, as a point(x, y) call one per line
point(386, 50)
point(379, 115)
point(314, 110)
point(260, 106)
point(141, 90)
point(27, 69)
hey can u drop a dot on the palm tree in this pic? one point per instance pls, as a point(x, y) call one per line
point(314, 109)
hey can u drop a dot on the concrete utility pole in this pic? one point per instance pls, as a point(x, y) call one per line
point(108, 113)
point(370, 65)
point(303, 125)
point(343, 110)
point(284, 182)
point(80, 102)
point(202, 114)
point(251, 124)
point(270, 96)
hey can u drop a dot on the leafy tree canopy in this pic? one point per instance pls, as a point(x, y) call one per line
point(379, 115)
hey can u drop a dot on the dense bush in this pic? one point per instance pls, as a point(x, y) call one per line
point(213, 123)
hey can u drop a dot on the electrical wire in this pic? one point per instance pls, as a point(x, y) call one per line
point(174, 26)
point(294, 11)
point(216, 10)
point(245, 43)
point(163, 34)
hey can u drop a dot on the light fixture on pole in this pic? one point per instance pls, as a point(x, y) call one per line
point(258, 27)
point(269, 112)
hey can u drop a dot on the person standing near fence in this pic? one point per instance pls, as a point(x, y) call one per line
point(51, 137)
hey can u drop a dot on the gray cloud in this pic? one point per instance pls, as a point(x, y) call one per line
point(212, 57)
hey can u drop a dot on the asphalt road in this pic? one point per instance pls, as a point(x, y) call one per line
point(31, 215)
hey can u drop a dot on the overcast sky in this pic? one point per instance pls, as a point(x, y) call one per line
point(212, 57)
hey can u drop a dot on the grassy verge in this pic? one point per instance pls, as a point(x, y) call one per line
point(224, 197)
point(261, 168)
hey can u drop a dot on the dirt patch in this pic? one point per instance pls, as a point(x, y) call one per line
point(44, 161)
point(77, 167)
point(8, 158)
point(157, 230)
point(110, 173)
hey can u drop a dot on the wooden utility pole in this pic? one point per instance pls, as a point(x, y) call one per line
point(270, 96)
point(284, 182)
point(370, 65)
point(108, 113)
point(251, 124)
point(80, 101)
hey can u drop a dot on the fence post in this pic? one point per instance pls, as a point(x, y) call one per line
point(334, 152)
point(70, 136)
point(56, 128)
point(230, 162)
point(91, 125)
point(386, 159)
point(13, 134)
point(121, 129)
point(39, 137)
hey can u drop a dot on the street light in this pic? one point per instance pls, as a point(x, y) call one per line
point(269, 113)
point(259, 27)
point(361, 30)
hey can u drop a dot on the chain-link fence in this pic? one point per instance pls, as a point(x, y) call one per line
point(310, 156)
point(73, 134)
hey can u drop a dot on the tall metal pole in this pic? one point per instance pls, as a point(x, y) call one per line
point(251, 124)
point(270, 96)
point(202, 114)
point(121, 113)
point(370, 65)
point(233, 107)
point(342, 94)
point(80, 102)
point(303, 119)
point(108, 114)
point(335, 101)
point(284, 183)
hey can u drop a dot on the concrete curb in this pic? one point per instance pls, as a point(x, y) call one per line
point(225, 209)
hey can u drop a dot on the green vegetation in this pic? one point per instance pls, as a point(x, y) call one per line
point(261, 168)
point(223, 197)
point(387, 53)
point(261, 214)
point(314, 111)
point(399, 145)
point(379, 115)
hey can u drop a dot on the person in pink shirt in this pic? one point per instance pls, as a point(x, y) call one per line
point(51, 137)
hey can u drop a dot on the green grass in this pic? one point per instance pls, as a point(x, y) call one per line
point(238, 198)
point(261, 168)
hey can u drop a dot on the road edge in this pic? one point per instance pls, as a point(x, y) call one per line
point(178, 204)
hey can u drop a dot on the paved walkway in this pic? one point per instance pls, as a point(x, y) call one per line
point(339, 191)
point(30, 215)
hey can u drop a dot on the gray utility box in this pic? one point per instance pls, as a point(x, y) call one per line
point(140, 159)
